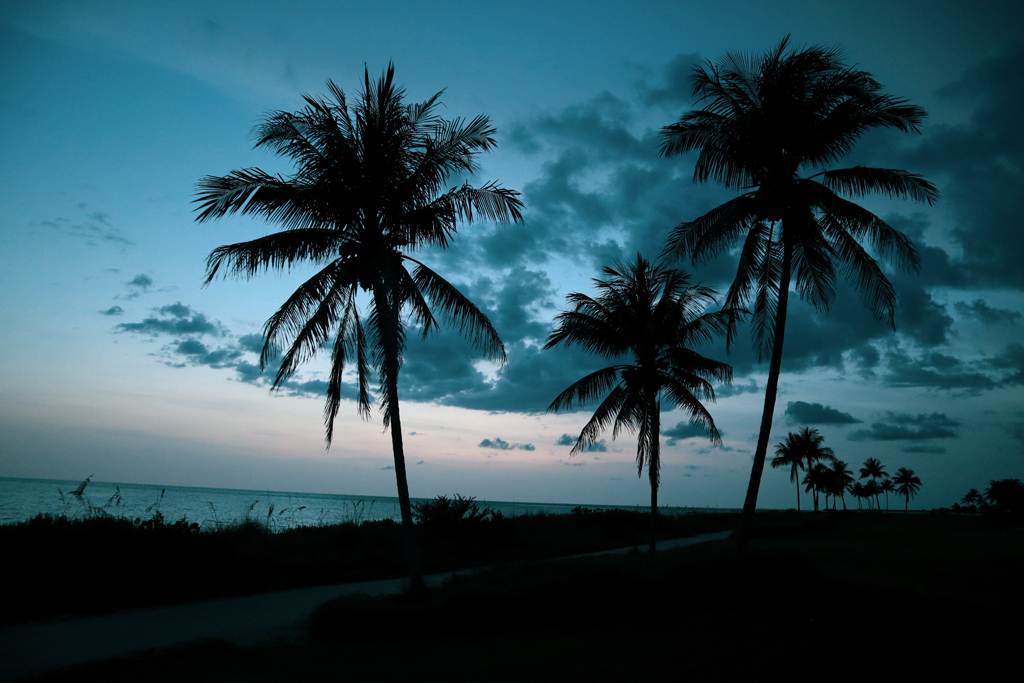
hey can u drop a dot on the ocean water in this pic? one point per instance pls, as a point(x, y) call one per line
point(22, 499)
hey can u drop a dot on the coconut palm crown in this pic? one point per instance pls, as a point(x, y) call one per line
point(907, 485)
point(801, 450)
point(369, 189)
point(769, 126)
point(649, 319)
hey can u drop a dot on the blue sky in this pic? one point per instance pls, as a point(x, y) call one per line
point(116, 362)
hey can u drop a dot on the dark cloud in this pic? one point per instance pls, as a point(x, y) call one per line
point(799, 412)
point(1011, 358)
point(979, 310)
point(599, 446)
point(142, 281)
point(502, 445)
point(727, 390)
point(981, 167)
point(113, 310)
point(682, 431)
point(676, 91)
point(177, 319)
point(933, 370)
point(906, 427)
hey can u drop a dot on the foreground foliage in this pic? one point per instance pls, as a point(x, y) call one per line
point(100, 564)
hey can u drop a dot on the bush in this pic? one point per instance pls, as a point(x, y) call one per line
point(449, 512)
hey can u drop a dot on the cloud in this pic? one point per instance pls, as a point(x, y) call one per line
point(113, 310)
point(982, 163)
point(142, 281)
point(684, 430)
point(979, 310)
point(933, 370)
point(94, 227)
point(177, 319)
point(675, 94)
point(566, 440)
point(906, 427)
point(502, 445)
point(799, 412)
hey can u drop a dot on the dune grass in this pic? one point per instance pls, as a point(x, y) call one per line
point(100, 564)
point(862, 596)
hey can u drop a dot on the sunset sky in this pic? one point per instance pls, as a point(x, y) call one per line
point(114, 361)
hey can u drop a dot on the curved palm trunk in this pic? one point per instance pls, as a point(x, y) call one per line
point(654, 471)
point(770, 394)
point(388, 315)
point(844, 502)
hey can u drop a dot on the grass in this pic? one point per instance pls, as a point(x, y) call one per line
point(100, 564)
point(859, 596)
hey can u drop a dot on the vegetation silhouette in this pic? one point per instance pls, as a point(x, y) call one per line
point(907, 485)
point(798, 452)
point(766, 121)
point(651, 317)
point(841, 479)
point(1005, 495)
point(874, 470)
point(368, 191)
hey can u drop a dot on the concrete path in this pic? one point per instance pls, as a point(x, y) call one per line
point(34, 648)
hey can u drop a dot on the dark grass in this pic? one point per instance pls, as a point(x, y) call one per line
point(865, 597)
point(96, 565)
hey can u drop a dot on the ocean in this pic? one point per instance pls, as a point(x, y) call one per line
point(22, 499)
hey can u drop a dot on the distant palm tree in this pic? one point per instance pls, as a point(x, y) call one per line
point(1006, 495)
point(842, 478)
point(857, 491)
point(907, 485)
point(887, 488)
point(874, 469)
point(873, 490)
point(767, 121)
point(800, 451)
point(368, 191)
point(973, 500)
point(817, 480)
point(650, 319)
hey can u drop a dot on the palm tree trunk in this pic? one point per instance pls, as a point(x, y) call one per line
point(654, 472)
point(770, 394)
point(388, 315)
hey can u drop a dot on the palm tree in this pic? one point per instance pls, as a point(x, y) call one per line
point(857, 491)
point(843, 478)
point(907, 485)
point(800, 451)
point(1005, 495)
point(767, 121)
point(973, 500)
point(887, 488)
point(368, 191)
point(817, 480)
point(874, 469)
point(872, 490)
point(648, 318)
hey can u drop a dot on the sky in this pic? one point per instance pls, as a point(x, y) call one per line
point(116, 362)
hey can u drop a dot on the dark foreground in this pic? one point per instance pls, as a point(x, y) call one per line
point(864, 596)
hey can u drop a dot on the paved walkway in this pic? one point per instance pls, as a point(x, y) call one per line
point(34, 648)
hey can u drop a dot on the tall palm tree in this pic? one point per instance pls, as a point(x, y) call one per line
point(368, 190)
point(769, 127)
point(799, 451)
point(649, 319)
point(857, 491)
point(887, 488)
point(874, 469)
point(907, 485)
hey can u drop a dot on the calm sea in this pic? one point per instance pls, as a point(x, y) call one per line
point(22, 499)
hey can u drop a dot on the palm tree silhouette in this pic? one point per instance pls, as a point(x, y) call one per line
point(649, 317)
point(816, 481)
point(1005, 495)
point(367, 191)
point(765, 121)
point(800, 451)
point(842, 478)
point(973, 500)
point(874, 469)
point(887, 488)
point(907, 485)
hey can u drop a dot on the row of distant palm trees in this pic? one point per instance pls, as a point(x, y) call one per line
point(803, 450)
point(369, 191)
point(1002, 495)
